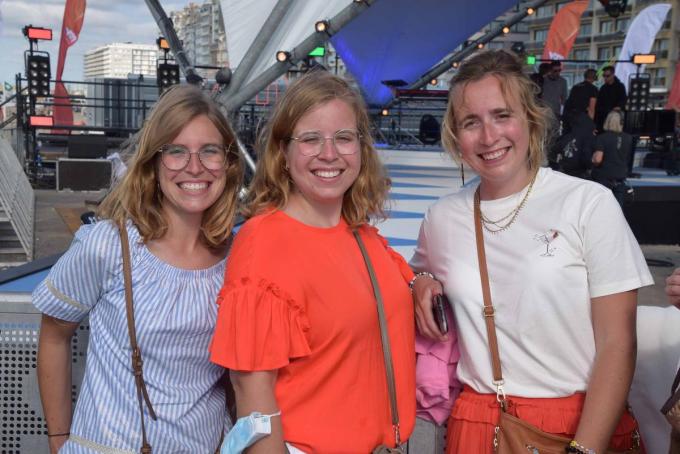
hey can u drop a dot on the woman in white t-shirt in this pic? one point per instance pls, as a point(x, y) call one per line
point(564, 269)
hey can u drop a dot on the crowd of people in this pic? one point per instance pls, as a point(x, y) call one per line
point(311, 319)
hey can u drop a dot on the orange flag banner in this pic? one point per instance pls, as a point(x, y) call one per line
point(74, 14)
point(563, 30)
point(674, 95)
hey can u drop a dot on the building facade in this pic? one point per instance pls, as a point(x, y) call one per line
point(119, 60)
point(200, 27)
point(601, 38)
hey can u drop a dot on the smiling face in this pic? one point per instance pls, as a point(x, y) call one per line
point(492, 135)
point(320, 182)
point(192, 190)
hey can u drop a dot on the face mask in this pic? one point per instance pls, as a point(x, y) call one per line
point(246, 432)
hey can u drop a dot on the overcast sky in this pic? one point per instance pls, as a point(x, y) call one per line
point(106, 21)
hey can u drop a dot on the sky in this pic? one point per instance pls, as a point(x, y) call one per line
point(106, 21)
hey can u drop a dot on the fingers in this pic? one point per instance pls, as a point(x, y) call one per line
point(673, 287)
point(423, 291)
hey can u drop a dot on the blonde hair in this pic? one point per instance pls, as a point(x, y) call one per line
point(138, 196)
point(613, 122)
point(272, 185)
point(508, 70)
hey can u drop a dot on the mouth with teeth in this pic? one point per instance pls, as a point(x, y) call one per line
point(327, 173)
point(494, 155)
point(194, 186)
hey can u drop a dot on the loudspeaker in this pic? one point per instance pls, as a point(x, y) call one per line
point(83, 174)
point(87, 146)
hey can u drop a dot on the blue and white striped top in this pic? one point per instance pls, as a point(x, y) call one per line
point(175, 313)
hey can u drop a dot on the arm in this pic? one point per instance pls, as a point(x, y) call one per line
point(591, 108)
point(673, 288)
point(54, 377)
point(255, 392)
point(424, 288)
point(613, 318)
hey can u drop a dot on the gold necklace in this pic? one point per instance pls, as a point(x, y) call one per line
point(497, 226)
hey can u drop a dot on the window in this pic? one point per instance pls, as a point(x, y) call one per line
point(520, 27)
point(606, 26)
point(540, 35)
point(586, 29)
point(581, 54)
point(545, 11)
point(658, 76)
point(660, 44)
point(604, 53)
point(622, 24)
point(561, 5)
point(617, 51)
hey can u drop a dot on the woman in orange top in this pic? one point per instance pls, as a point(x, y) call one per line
point(297, 323)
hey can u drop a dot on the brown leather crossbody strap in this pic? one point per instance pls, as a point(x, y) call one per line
point(384, 338)
point(488, 311)
point(136, 355)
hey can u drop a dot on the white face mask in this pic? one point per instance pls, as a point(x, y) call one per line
point(246, 432)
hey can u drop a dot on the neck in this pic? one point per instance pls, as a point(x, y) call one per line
point(183, 233)
point(311, 213)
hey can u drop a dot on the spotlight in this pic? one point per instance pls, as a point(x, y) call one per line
point(282, 56)
point(530, 11)
point(36, 33)
point(644, 59)
point(40, 120)
point(455, 64)
point(38, 74)
point(480, 46)
point(506, 29)
point(385, 112)
point(162, 43)
point(434, 82)
point(322, 26)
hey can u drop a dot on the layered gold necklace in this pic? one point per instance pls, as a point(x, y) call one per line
point(506, 221)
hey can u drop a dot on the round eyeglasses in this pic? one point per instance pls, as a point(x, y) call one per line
point(345, 141)
point(176, 157)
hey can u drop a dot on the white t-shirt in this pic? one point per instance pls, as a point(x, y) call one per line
point(570, 243)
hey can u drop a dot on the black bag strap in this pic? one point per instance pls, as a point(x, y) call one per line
point(136, 355)
point(384, 338)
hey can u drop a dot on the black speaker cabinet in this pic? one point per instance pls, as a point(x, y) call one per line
point(87, 146)
point(83, 174)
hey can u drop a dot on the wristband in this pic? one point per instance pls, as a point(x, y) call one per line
point(65, 434)
point(417, 275)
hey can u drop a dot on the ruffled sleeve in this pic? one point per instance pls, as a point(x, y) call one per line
point(398, 260)
point(259, 327)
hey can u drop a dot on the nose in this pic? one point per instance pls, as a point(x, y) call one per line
point(489, 134)
point(328, 151)
point(194, 166)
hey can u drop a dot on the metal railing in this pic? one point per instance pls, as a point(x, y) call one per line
point(17, 203)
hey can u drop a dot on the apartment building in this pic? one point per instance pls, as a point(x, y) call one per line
point(118, 60)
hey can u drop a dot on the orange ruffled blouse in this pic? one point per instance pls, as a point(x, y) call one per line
point(299, 299)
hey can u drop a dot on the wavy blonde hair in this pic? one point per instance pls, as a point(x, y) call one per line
point(508, 70)
point(272, 184)
point(613, 122)
point(138, 196)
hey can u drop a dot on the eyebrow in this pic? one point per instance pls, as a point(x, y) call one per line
point(496, 111)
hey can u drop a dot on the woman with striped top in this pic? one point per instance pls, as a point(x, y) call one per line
point(177, 203)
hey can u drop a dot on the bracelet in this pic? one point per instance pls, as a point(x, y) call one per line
point(65, 434)
point(575, 448)
point(417, 275)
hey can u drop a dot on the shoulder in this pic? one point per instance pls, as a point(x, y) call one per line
point(266, 232)
point(457, 203)
point(572, 189)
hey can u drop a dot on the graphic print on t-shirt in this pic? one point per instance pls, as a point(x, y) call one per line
point(547, 238)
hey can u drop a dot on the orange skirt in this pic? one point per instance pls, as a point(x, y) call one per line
point(474, 416)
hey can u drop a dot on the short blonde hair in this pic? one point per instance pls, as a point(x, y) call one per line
point(508, 70)
point(138, 196)
point(613, 122)
point(272, 184)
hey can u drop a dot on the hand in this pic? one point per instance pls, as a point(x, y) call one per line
point(424, 288)
point(673, 288)
point(55, 443)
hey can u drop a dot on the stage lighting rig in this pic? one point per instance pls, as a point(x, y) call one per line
point(283, 56)
point(38, 74)
point(167, 75)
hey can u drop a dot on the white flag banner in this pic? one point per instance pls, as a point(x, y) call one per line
point(640, 38)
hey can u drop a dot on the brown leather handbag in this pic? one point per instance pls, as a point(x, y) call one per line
point(387, 353)
point(513, 435)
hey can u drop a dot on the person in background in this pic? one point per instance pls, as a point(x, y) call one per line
point(572, 152)
point(582, 100)
point(612, 96)
point(177, 203)
point(539, 76)
point(555, 90)
point(673, 288)
point(297, 324)
point(612, 153)
point(563, 266)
